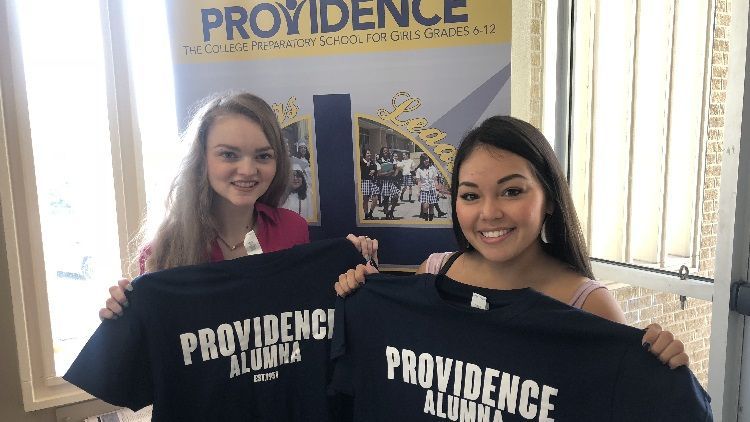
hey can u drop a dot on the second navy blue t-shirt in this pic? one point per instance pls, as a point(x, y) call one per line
point(413, 349)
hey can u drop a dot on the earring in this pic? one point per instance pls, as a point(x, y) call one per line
point(543, 234)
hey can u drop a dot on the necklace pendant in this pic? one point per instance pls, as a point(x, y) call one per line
point(228, 246)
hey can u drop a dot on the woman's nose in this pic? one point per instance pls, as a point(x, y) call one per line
point(492, 209)
point(247, 166)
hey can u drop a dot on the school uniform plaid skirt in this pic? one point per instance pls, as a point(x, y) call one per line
point(388, 189)
point(369, 188)
point(407, 180)
point(428, 196)
point(398, 181)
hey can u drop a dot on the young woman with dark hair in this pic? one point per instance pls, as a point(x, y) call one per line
point(516, 227)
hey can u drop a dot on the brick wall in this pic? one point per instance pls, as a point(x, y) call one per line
point(715, 139)
point(536, 62)
point(691, 325)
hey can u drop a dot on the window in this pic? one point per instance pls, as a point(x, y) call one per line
point(93, 120)
point(638, 134)
point(644, 132)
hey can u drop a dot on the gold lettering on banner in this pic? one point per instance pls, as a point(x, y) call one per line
point(285, 112)
point(403, 103)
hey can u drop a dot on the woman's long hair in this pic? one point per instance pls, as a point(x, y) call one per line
point(185, 235)
point(299, 154)
point(301, 191)
point(424, 161)
point(566, 241)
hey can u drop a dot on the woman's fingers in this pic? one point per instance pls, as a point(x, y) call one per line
point(105, 313)
point(352, 279)
point(125, 284)
point(681, 359)
point(337, 287)
point(345, 284)
point(662, 341)
point(652, 333)
point(113, 306)
point(674, 354)
point(118, 294)
point(367, 270)
point(365, 245)
point(374, 248)
point(664, 346)
point(117, 301)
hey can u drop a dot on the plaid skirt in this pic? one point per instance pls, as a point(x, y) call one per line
point(407, 181)
point(428, 196)
point(388, 189)
point(369, 188)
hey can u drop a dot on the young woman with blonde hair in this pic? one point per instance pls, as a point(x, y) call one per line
point(223, 203)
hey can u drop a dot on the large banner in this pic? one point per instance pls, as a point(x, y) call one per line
point(373, 97)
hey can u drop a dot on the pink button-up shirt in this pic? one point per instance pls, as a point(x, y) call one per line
point(276, 229)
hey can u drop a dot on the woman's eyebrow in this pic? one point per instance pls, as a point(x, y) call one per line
point(233, 148)
point(500, 181)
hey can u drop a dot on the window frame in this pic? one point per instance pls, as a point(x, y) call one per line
point(40, 386)
point(728, 329)
point(556, 125)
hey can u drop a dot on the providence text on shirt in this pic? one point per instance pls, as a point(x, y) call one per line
point(275, 340)
point(470, 384)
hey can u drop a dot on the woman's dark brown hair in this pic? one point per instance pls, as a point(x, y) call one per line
point(562, 229)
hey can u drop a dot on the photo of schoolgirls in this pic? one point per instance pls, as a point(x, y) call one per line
point(302, 196)
point(398, 182)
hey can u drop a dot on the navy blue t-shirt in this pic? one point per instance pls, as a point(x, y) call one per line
point(412, 349)
point(244, 339)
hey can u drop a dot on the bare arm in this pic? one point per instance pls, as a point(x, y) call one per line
point(601, 303)
point(422, 268)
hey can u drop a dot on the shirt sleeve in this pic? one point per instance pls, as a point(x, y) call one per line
point(648, 390)
point(114, 364)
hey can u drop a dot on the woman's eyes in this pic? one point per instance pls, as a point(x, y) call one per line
point(231, 156)
point(469, 196)
point(512, 192)
point(228, 155)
